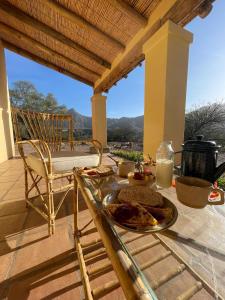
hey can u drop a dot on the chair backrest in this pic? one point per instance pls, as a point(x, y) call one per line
point(54, 129)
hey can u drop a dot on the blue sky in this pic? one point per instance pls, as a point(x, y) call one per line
point(206, 75)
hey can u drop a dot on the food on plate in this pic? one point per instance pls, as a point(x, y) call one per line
point(98, 171)
point(138, 176)
point(142, 195)
point(131, 214)
point(161, 214)
point(91, 173)
point(103, 171)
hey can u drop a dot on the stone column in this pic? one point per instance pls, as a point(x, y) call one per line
point(166, 67)
point(99, 120)
point(6, 132)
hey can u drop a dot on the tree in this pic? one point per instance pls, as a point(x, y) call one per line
point(207, 120)
point(24, 95)
point(51, 105)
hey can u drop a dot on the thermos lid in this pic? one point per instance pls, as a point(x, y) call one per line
point(200, 145)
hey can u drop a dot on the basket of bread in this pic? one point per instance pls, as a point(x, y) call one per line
point(140, 209)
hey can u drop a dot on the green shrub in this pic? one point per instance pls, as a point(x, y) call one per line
point(221, 182)
point(129, 155)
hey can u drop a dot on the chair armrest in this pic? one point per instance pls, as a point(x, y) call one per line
point(42, 149)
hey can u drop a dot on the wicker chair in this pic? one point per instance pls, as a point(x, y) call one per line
point(51, 158)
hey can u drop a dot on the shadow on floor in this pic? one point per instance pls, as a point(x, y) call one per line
point(21, 220)
point(28, 218)
point(39, 275)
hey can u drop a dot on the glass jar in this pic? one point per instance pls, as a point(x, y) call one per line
point(164, 164)
point(126, 167)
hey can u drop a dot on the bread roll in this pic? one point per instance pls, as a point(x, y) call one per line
point(142, 195)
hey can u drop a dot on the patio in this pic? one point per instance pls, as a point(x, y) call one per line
point(71, 38)
point(34, 266)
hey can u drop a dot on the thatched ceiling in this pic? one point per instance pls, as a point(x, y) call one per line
point(89, 40)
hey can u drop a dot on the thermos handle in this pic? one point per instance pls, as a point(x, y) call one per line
point(178, 167)
point(178, 152)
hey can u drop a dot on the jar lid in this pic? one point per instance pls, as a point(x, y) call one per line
point(200, 145)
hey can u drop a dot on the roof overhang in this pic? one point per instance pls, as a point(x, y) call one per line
point(96, 42)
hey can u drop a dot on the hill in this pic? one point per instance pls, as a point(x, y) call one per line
point(119, 129)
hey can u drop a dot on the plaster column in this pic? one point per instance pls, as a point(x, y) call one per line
point(99, 121)
point(6, 132)
point(166, 67)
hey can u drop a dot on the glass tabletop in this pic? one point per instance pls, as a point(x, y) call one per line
point(186, 259)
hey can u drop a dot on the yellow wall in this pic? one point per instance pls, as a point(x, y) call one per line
point(166, 65)
point(6, 132)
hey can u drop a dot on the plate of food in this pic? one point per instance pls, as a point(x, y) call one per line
point(139, 209)
point(96, 172)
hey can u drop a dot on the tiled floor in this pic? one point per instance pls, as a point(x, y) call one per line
point(32, 265)
point(35, 266)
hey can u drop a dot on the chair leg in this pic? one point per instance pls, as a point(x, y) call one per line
point(51, 227)
point(26, 186)
point(75, 206)
point(51, 212)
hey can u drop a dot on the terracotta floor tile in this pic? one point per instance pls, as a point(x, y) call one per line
point(8, 208)
point(11, 224)
point(6, 257)
point(7, 178)
point(14, 194)
point(33, 265)
point(5, 187)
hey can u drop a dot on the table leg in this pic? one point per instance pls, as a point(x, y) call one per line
point(75, 206)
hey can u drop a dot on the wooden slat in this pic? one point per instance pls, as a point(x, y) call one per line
point(103, 290)
point(145, 247)
point(103, 268)
point(154, 260)
point(129, 11)
point(91, 243)
point(174, 272)
point(73, 17)
point(44, 62)
point(95, 259)
point(30, 21)
point(133, 238)
point(28, 40)
point(84, 275)
point(94, 253)
point(191, 291)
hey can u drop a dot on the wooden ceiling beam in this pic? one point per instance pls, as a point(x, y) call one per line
point(174, 10)
point(129, 11)
point(8, 30)
point(30, 21)
point(76, 19)
point(205, 9)
point(43, 62)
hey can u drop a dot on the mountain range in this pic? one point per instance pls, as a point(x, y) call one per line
point(126, 129)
